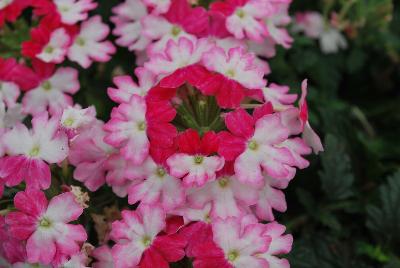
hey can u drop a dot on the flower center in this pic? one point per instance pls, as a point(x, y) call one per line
point(80, 41)
point(240, 13)
point(198, 159)
point(64, 8)
point(45, 223)
point(46, 85)
point(49, 49)
point(230, 73)
point(176, 30)
point(207, 218)
point(252, 145)
point(223, 182)
point(68, 122)
point(160, 172)
point(146, 240)
point(34, 151)
point(141, 126)
point(232, 255)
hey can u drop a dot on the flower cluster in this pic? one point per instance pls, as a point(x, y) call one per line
point(200, 144)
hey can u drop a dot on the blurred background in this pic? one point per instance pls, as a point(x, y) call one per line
point(344, 211)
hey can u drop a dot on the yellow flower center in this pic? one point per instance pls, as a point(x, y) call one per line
point(232, 255)
point(198, 159)
point(252, 145)
point(49, 49)
point(175, 31)
point(34, 151)
point(45, 223)
point(223, 182)
point(141, 126)
point(80, 41)
point(46, 85)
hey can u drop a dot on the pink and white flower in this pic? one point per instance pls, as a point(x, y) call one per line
point(89, 154)
point(139, 242)
point(278, 96)
point(245, 18)
point(234, 73)
point(158, 6)
point(156, 187)
point(181, 20)
point(174, 64)
point(271, 197)
point(255, 145)
point(228, 196)
point(48, 45)
point(103, 256)
point(53, 92)
point(133, 125)
point(129, 28)
point(44, 225)
point(73, 11)
point(280, 244)
point(89, 45)
point(194, 161)
point(74, 119)
point(67, 12)
point(238, 242)
point(126, 87)
point(30, 152)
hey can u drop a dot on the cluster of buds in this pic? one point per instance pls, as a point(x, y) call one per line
point(200, 143)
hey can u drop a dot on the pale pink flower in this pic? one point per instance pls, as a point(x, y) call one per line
point(126, 87)
point(128, 21)
point(237, 65)
point(45, 225)
point(157, 187)
point(53, 93)
point(30, 152)
point(89, 45)
point(57, 47)
point(73, 11)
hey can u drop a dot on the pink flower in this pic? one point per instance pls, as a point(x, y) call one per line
point(156, 187)
point(135, 124)
point(77, 260)
point(67, 12)
point(175, 64)
point(139, 242)
point(245, 18)
point(11, 249)
point(228, 196)
point(195, 162)
point(181, 20)
point(126, 87)
point(74, 119)
point(18, 74)
point(128, 21)
point(271, 197)
point(30, 152)
point(89, 153)
point(52, 92)
point(45, 225)
point(234, 73)
point(278, 96)
point(237, 243)
point(10, 10)
point(275, 23)
point(255, 145)
point(296, 120)
point(312, 23)
point(158, 6)
point(88, 44)
point(280, 244)
point(103, 256)
point(47, 44)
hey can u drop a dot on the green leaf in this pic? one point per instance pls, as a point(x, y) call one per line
point(336, 177)
point(384, 220)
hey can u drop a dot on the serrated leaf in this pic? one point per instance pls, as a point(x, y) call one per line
point(384, 220)
point(336, 177)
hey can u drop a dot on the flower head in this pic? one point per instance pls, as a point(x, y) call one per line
point(44, 225)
